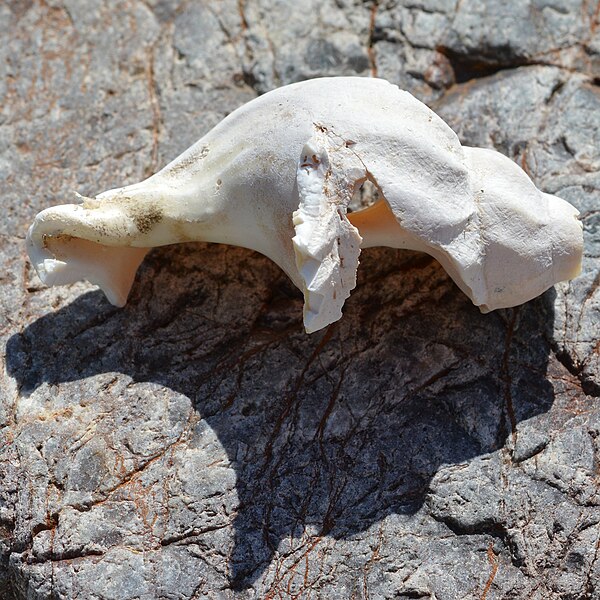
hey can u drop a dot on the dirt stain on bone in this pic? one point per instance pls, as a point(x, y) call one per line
point(190, 159)
point(145, 217)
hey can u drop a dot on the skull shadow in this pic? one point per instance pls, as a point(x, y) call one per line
point(327, 433)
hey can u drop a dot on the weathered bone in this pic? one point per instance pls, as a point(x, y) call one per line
point(277, 176)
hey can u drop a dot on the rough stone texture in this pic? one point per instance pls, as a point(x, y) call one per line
point(197, 443)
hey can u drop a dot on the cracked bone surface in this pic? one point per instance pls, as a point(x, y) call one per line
point(277, 176)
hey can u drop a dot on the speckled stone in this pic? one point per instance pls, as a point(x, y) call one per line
point(197, 443)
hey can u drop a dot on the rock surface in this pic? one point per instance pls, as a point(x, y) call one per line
point(197, 443)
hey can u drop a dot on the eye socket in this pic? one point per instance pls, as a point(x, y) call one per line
point(365, 195)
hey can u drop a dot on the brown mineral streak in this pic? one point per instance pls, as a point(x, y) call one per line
point(155, 107)
point(493, 560)
point(293, 394)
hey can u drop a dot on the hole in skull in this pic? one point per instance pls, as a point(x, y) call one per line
point(365, 195)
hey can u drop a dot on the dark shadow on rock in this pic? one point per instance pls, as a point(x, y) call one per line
point(329, 433)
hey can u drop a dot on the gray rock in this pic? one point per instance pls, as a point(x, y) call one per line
point(197, 443)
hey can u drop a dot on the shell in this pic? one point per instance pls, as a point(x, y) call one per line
point(277, 176)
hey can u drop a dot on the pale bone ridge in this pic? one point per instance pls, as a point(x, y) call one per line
point(277, 176)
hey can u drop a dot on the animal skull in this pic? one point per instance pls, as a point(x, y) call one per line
point(277, 176)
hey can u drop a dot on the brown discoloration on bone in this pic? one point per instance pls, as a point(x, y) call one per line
point(180, 233)
point(185, 163)
point(145, 217)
